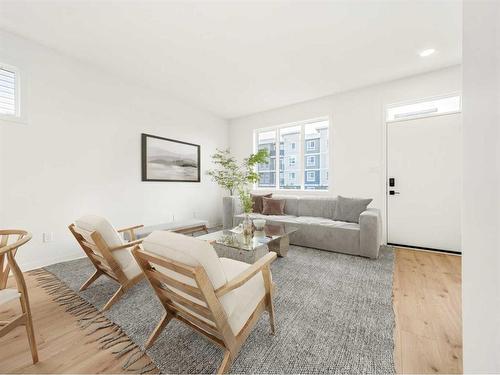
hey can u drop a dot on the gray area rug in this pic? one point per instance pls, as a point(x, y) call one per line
point(334, 314)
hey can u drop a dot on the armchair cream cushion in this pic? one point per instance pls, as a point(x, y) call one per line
point(238, 304)
point(124, 258)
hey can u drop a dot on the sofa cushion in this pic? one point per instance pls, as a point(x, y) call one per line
point(317, 206)
point(329, 235)
point(273, 206)
point(349, 209)
point(257, 201)
point(291, 204)
point(124, 258)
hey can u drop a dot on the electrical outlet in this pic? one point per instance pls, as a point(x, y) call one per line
point(47, 236)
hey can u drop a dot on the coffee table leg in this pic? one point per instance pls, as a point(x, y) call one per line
point(280, 246)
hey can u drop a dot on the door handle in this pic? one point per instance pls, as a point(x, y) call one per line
point(392, 192)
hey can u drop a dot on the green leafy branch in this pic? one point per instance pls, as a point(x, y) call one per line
point(232, 176)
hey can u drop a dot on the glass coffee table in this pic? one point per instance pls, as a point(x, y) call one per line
point(228, 244)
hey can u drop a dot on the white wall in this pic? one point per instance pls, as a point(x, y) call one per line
point(481, 189)
point(79, 152)
point(357, 156)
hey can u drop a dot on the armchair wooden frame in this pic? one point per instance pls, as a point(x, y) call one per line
point(8, 263)
point(215, 325)
point(101, 256)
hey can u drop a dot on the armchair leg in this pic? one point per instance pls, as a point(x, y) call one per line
point(113, 299)
point(167, 317)
point(28, 321)
point(272, 321)
point(90, 280)
point(226, 363)
point(269, 297)
point(31, 338)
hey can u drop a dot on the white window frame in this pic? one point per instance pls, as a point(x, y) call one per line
point(292, 145)
point(290, 159)
point(17, 94)
point(291, 175)
point(308, 160)
point(308, 173)
point(300, 155)
point(313, 143)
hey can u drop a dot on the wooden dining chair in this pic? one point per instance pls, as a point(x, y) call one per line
point(108, 252)
point(220, 298)
point(7, 264)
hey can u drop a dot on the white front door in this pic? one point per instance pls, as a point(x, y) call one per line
point(424, 160)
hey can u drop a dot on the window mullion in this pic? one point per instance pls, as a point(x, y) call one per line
point(302, 141)
point(277, 152)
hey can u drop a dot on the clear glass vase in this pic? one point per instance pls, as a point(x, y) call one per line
point(247, 229)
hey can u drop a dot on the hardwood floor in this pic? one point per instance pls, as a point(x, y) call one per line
point(63, 347)
point(427, 305)
point(428, 333)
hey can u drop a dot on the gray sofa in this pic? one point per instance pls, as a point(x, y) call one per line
point(313, 216)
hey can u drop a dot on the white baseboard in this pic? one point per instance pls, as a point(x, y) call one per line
point(47, 262)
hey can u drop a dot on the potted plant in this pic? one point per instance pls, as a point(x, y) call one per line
point(239, 178)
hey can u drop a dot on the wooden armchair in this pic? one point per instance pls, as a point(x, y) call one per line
point(220, 298)
point(108, 252)
point(8, 263)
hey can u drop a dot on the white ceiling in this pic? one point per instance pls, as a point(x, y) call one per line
point(241, 57)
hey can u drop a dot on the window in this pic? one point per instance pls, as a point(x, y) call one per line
point(424, 108)
point(9, 92)
point(302, 146)
point(267, 171)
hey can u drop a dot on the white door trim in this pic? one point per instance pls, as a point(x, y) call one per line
point(385, 173)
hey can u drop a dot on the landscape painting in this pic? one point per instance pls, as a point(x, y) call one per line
point(166, 159)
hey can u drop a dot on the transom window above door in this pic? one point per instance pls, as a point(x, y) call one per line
point(436, 106)
point(301, 161)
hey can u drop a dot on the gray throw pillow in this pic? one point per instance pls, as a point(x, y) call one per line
point(349, 209)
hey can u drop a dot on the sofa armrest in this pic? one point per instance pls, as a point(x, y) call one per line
point(370, 235)
point(230, 207)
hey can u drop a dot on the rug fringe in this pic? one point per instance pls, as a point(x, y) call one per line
point(90, 318)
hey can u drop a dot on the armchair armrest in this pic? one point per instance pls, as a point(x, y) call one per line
point(131, 231)
point(124, 246)
point(246, 275)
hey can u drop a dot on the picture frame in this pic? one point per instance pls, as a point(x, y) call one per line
point(169, 160)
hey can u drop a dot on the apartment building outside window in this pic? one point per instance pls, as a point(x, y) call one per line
point(303, 160)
